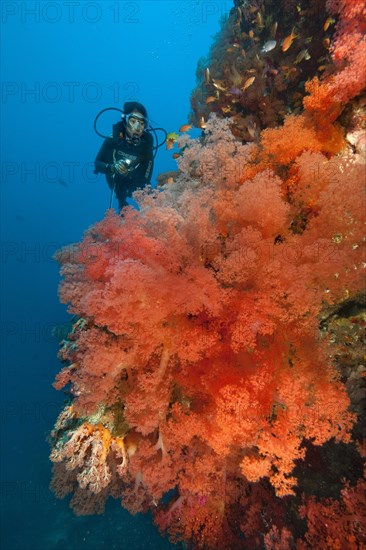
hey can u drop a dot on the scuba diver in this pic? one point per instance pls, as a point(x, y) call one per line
point(127, 157)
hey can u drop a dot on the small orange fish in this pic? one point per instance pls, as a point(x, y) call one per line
point(251, 34)
point(230, 50)
point(328, 23)
point(326, 43)
point(248, 83)
point(176, 156)
point(185, 128)
point(169, 144)
point(259, 19)
point(286, 44)
point(170, 180)
point(211, 99)
point(321, 68)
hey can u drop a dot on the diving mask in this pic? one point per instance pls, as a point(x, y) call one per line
point(136, 123)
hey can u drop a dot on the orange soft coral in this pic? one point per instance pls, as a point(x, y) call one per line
point(198, 377)
point(347, 80)
point(201, 343)
point(298, 134)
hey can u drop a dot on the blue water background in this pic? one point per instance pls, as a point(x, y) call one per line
point(78, 58)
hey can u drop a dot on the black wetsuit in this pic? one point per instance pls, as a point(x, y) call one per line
point(118, 147)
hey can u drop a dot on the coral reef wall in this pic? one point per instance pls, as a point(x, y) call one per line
point(215, 373)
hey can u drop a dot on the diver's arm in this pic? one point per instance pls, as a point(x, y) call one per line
point(102, 161)
point(144, 171)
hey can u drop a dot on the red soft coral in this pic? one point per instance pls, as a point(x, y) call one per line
point(348, 54)
point(337, 524)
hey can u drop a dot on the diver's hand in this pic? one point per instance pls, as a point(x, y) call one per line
point(120, 168)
